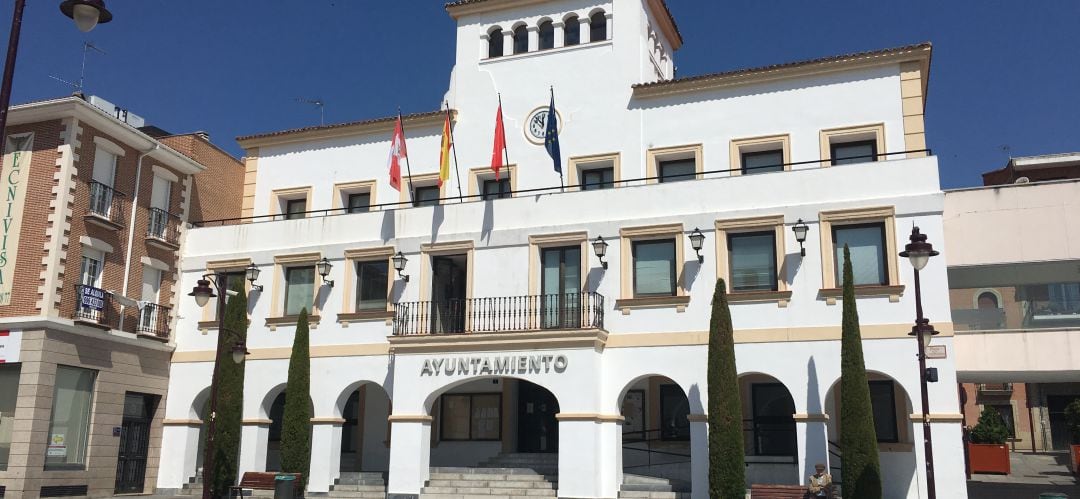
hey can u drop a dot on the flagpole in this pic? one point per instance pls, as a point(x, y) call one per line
point(408, 168)
point(453, 145)
point(562, 185)
point(506, 150)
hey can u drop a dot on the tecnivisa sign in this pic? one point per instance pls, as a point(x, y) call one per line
point(13, 179)
point(504, 364)
point(10, 345)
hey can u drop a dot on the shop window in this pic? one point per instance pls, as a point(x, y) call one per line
point(9, 392)
point(883, 403)
point(69, 423)
point(474, 416)
point(299, 289)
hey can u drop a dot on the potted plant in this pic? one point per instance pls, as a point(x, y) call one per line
point(987, 452)
point(1072, 419)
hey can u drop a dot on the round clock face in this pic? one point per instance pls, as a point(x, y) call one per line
point(536, 125)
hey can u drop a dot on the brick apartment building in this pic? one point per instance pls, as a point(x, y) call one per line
point(94, 213)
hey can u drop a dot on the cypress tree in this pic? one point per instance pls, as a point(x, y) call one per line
point(727, 467)
point(860, 469)
point(230, 397)
point(296, 421)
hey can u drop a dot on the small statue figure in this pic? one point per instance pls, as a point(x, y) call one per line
point(820, 483)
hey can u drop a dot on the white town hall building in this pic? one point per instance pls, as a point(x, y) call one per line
point(505, 340)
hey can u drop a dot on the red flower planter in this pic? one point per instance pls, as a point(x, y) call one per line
point(988, 458)
point(1075, 458)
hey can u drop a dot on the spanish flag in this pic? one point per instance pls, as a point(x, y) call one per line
point(444, 152)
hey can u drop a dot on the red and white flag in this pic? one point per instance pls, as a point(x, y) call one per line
point(500, 143)
point(398, 154)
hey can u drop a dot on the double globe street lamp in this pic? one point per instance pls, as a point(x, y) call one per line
point(86, 13)
point(205, 290)
point(919, 252)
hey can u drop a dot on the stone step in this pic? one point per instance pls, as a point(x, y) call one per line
point(484, 471)
point(361, 478)
point(380, 494)
point(494, 484)
point(517, 477)
point(489, 491)
point(358, 488)
point(640, 494)
point(471, 496)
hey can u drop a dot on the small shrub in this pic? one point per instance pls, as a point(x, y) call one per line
point(990, 428)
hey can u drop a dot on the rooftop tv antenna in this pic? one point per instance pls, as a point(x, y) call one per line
point(87, 47)
point(317, 103)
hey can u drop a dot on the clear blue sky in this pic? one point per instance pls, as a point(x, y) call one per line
point(1004, 80)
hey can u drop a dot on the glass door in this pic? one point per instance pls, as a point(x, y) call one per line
point(448, 293)
point(560, 287)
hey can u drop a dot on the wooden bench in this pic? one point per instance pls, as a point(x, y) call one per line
point(258, 480)
point(777, 492)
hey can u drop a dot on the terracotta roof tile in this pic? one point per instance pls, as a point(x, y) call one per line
point(341, 125)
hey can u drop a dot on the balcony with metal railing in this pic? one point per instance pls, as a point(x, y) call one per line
point(96, 307)
point(106, 206)
point(163, 229)
point(153, 320)
point(507, 314)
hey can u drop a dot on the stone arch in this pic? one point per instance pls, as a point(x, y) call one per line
point(520, 38)
point(545, 33)
point(439, 391)
point(976, 298)
point(655, 436)
point(495, 42)
point(769, 431)
point(197, 409)
point(363, 408)
point(598, 26)
point(342, 398)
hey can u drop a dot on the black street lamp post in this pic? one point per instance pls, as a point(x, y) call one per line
point(918, 251)
point(85, 13)
point(202, 294)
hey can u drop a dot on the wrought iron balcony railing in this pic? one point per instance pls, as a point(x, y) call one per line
point(995, 388)
point(164, 227)
point(153, 320)
point(105, 202)
point(96, 306)
point(505, 314)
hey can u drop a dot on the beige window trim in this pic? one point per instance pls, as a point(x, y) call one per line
point(345, 189)
point(578, 164)
point(277, 302)
point(278, 198)
point(759, 144)
point(654, 156)
point(828, 219)
point(478, 175)
point(756, 224)
point(627, 236)
point(539, 242)
point(233, 265)
point(422, 180)
point(442, 249)
point(349, 304)
point(852, 134)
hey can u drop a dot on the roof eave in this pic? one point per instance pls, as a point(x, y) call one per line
point(356, 128)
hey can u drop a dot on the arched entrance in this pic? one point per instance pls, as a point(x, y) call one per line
point(656, 429)
point(769, 437)
point(365, 433)
point(495, 422)
point(891, 409)
point(276, 413)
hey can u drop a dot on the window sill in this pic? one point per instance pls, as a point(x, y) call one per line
point(367, 316)
point(780, 297)
point(893, 292)
point(290, 320)
point(627, 304)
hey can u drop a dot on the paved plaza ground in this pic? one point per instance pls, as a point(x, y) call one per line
point(1032, 475)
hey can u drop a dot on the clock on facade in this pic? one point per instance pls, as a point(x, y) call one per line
point(536, 125)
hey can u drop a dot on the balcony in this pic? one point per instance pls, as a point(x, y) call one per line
point(106, 208)
point(163, 230)
point(508, 314)
point(153, 320)
point(96, 307)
